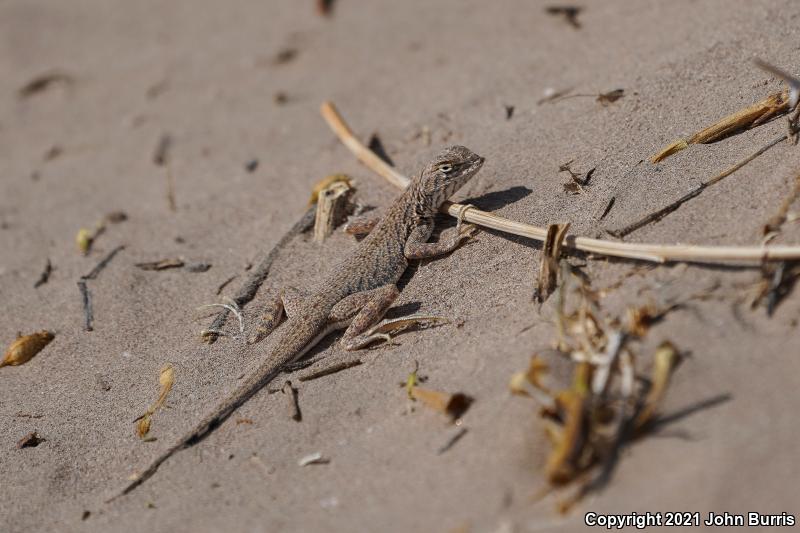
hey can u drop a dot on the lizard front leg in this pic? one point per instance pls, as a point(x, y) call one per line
point(283, 304)
point(363, 310)
point(417, 246)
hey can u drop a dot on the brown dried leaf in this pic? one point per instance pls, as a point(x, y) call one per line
point(453, 405)
point(611, 96)
point(24, 348)
point(31, 440)
point(640, 319)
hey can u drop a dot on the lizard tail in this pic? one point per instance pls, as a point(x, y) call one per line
point(289, 347)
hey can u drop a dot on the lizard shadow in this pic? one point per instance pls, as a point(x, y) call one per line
point(655, 427)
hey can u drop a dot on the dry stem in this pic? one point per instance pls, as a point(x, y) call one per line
point(657, 253)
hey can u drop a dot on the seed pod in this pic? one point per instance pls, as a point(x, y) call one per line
point(25, 347)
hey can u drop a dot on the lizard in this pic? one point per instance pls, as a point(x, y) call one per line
point(355, 294)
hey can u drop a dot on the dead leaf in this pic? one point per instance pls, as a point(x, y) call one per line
point(25, 347)
point(31, 440)
point(611, 96)
point(453, 405)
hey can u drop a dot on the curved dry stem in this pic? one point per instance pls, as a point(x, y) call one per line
point(657, 253)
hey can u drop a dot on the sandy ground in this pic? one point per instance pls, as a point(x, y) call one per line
point(204, 72)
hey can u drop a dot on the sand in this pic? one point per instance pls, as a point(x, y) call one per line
point(205, 73)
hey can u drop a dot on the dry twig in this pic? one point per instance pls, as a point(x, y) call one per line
point(657, 253)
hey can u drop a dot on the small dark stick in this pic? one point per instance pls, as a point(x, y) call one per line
point(86, 296)
point(45, 275)
point(664, 211)
point(248, 291)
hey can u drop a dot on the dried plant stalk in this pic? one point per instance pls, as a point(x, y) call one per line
point(166, 378)
point(770, 107)
point(548, 268)
point(657, 253)
point(331, 209)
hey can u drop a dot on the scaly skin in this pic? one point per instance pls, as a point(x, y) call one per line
point(357, 292)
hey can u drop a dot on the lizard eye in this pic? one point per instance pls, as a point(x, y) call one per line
point(447, 167)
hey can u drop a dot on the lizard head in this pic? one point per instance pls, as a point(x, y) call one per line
point(448, 171)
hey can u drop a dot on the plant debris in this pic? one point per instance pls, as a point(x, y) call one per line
point(589, 421)
point(548, 267)
point(770, 107)
point(551, 95)
point(85, 237)
point(664, 211)
point(163, 264)
point(313, 459)
point(43, 82)
point(166, 378)
point(224, 284)
point(334, 204)
point(569, 13)
point(294, 401)
point(775, 222)
point(247, 292)
point(31, 440)
point(45, 275)
point(777, 282)
point(197, 267)
point(326, 182)
point(26, 347)
point(332, 369)
point(453, 405)
point(610, 97)
point(576, 185)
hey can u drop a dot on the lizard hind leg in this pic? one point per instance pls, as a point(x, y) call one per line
point(363, 310)
point(285, 303)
